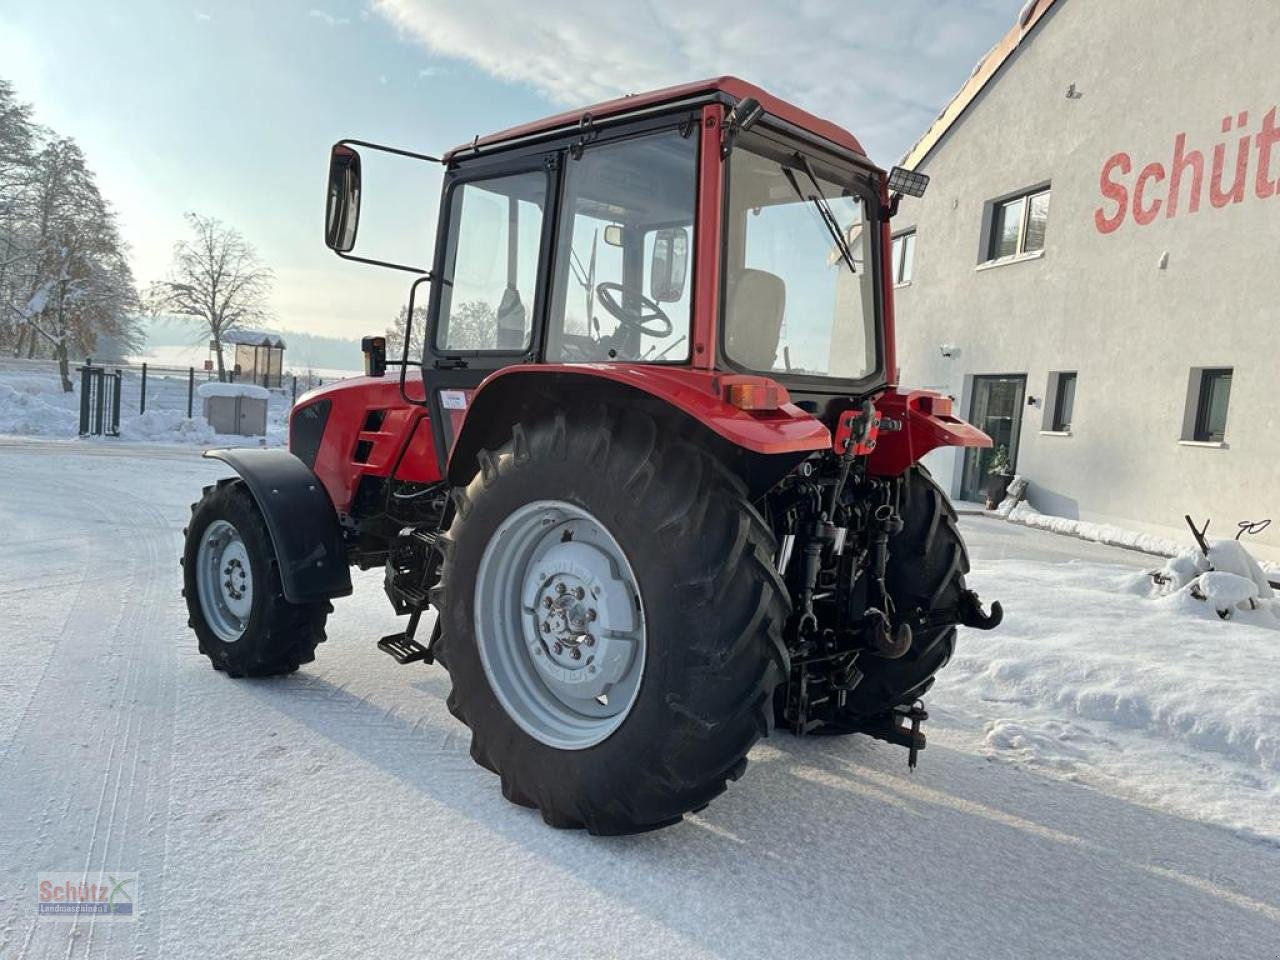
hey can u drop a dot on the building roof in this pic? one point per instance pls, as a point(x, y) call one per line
point(1031, 14)
point(253, 338)
point(731, 86)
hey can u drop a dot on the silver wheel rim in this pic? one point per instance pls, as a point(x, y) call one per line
point(224, 580)
point(560, 624)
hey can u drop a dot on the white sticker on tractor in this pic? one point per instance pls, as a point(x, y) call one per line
point(453, 399)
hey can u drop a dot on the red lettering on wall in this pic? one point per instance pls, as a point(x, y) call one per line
point(1143, 214)
point(1264, 186)
point(1113, 190)
point(1181, 162)
point(1188, 167)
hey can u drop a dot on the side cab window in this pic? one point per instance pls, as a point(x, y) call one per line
point(491, 264)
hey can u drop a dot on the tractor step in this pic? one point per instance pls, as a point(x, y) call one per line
point(402, 646)
point(403, 649)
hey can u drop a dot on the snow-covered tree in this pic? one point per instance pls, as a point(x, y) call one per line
point(65, 279)
point(216, 276)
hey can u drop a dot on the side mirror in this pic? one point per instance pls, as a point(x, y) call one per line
point(342, 204)
point(375, 356)
point(670, 264)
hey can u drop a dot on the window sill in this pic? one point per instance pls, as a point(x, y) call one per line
point(1211, 444)
point(1055, 433)
point(1006, 261)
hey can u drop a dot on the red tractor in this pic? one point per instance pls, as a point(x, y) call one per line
point(650, 468)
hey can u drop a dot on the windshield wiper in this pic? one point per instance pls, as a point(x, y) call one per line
point(824, 211)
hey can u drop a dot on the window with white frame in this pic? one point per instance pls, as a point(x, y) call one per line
point(904, 257)
point(1017, 225)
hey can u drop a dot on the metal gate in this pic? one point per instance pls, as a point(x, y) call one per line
point(99, 401)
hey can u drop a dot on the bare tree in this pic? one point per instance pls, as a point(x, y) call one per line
point(216, 276)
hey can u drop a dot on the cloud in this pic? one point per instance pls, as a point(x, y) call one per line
point(202, 17)
point(882, 70)
point(328, 19)
point(429, 73)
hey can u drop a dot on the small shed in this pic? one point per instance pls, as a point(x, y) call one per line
point(235, 408)
point(259, 357)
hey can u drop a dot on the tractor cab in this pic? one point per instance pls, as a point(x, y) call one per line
point(709, 227)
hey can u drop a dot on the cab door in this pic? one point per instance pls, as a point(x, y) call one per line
point(487, 299)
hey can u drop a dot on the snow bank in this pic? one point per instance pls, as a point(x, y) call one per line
point(32, 403)
point(1100, 675)
point(171, 426)
point(1029, 516)
point(215, 389)
point(36, 406)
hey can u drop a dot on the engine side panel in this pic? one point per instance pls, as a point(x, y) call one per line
point(369, 431)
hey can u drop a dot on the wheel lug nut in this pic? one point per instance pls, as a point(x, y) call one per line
point(546, 602)
point(546, 628)
point(560, 589)
point(591, 614)
point(559, 647)
point(577, 654)
point(590, 641)
point(580, 593)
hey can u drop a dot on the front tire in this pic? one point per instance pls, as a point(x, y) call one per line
point(683, 565)
point(235, 601)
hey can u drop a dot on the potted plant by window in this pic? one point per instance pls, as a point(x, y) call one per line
point(999, 476)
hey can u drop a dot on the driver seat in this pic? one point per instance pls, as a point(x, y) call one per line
point(757, 304)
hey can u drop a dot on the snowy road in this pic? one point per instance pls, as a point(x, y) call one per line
point(336, 813)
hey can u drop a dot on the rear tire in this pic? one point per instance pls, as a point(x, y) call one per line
point(710, 601)
point(251, 631)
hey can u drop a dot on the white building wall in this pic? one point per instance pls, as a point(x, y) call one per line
point(1101, 304)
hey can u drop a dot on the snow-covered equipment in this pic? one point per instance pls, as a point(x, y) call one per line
point(235, 408)
point(650, 530)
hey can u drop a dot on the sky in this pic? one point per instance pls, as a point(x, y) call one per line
point(229, 107)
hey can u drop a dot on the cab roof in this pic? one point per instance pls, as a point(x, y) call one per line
point(731, 88)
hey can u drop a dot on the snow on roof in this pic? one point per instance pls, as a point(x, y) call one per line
point(215, 389)
point(1031, 13)
point(253, 338)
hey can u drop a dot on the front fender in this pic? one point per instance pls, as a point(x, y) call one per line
point(699, 394)
point(301, 519)
point(925, 423)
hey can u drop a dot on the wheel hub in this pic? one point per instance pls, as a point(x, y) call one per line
point(559, 624)
point(224, 581)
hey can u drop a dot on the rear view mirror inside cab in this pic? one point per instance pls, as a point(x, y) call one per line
point(670, 263)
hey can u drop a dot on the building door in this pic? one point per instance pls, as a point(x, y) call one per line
point(996, 410)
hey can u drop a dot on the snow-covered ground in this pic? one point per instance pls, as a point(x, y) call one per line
point(1101, 778)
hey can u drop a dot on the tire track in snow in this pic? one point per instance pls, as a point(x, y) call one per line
point(105, 672)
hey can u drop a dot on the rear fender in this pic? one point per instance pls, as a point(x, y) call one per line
point(924, 422)
point(301, 519)
point(766, 443)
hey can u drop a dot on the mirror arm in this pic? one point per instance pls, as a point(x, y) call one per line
point(385, 149)
point(383, 263)
point(405, 363)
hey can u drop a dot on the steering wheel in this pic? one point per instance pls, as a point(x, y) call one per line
point(651, 320)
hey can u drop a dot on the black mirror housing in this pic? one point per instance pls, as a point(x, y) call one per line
point(375, 356)
point(670, 264)
point(342, 200)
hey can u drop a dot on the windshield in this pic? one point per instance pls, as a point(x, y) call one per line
point(797, 301)
point(624, 251)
